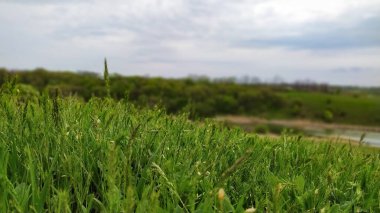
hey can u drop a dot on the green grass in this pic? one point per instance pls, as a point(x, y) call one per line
point(346, 108)
point(65, 155)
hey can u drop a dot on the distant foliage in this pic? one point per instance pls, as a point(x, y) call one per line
point(201, 97)
point(328, 115)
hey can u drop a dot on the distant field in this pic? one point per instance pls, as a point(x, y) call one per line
point(345, 108)
point(62, 155)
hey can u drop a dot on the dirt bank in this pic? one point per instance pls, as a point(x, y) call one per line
point(297, 123)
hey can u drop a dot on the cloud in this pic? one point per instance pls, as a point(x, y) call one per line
point(356, 70)
point(332, 36)
point(40, 2)
point(294, 38)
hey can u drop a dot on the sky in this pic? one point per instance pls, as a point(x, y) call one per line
point(324, 41)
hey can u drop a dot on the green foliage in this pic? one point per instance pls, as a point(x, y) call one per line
point(63, 154)
point(206, 98)
point(27, 92)
point(297, 108)
point(9, 84)
point(261, 129)
point(328, 116)
point(340, 108)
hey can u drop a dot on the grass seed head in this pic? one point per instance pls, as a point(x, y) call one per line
point(250, 210)
point(221, 194)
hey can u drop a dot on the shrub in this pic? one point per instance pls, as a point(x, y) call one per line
point(328, 115)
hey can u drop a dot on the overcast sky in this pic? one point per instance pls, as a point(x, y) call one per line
point(332, 41)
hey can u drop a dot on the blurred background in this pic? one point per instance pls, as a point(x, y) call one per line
point(303, 67)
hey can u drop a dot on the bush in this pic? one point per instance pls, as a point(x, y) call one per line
point(261, 129)
point(328, 116)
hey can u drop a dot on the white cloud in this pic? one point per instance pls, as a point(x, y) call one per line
point(291, 38)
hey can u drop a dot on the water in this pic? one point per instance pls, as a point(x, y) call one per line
point(371, 138)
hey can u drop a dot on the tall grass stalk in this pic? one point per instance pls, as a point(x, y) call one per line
point(107, 79)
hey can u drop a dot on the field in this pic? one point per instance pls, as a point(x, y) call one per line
point(359, 108)
point(66, 155)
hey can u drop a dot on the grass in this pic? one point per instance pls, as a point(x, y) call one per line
point(64, 155)
point(362, 109)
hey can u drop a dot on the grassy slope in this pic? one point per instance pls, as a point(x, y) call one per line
point(362, 109)
point(108, 156)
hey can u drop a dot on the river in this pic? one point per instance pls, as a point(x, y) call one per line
point(370, 138)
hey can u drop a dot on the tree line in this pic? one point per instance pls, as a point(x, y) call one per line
point(201, 97)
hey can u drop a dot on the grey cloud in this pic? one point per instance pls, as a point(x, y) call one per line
point(326, 36)
point(39, 2)
point(352, 70)
point(200, 37)
point(203, 20)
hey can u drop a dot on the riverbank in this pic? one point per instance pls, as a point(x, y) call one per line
point(296, 123)
point(316, 131)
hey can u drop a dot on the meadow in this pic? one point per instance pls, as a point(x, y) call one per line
point(67, 155)
point(204, 97)
point(347, 108)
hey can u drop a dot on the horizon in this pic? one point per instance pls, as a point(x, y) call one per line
point(248, 80)
point(333, 42)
